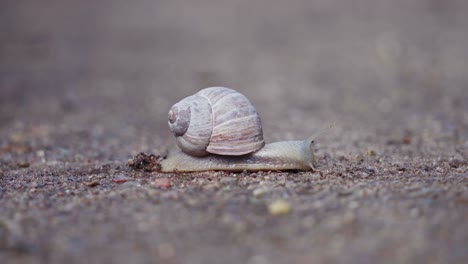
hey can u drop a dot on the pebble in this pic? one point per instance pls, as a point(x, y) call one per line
point(279, 207)
point(364, 175)
point(260, 191)
point(41, 154)
point(23, 164)
point(164, 183)
point(91, 183)
point(406, 140)
point(121, 178)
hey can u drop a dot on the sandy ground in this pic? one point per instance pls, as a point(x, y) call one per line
point(86, 85)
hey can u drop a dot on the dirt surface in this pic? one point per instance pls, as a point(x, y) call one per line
point(86, 85)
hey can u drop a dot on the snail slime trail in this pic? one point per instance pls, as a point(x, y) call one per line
point(219, 129)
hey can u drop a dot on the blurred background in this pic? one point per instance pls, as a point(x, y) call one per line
point(115, 67)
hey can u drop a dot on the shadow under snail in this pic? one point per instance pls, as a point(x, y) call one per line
point(219, 129)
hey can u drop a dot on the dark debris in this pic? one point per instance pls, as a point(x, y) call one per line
point(144, 162)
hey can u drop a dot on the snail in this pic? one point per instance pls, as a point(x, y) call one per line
point(218, 128)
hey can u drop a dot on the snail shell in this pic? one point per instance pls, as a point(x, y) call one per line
point(216, 120)
point(219, 129)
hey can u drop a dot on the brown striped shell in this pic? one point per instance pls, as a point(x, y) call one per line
point(216, 120)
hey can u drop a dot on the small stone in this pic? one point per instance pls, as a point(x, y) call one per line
point(164, 183)
point(152, 192)
point(260, 191)
point(364, 175)
point(91, 183)
point(121, 178)
point(23, 164)
point(279, 207)
point(41, 155)
point(406, 140)
point(456, 163)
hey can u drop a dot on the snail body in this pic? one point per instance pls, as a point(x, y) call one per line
point(277, 156)
point(219, 129)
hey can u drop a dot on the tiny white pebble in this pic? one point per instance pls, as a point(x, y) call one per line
point(279, 207)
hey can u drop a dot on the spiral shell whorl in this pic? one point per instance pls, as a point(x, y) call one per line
point(193, 124)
